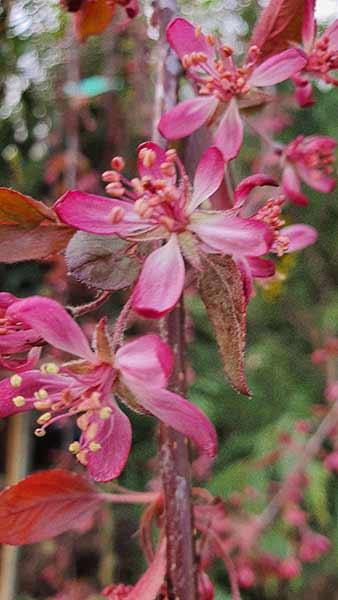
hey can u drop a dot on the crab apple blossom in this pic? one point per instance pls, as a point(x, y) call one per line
point(322, 58)
point(137, 373)
point(308, 159)
point(159, 206)
point(223, 88)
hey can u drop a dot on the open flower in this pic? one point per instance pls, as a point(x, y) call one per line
point(223, 88)
point(15, 339)
point(159, 206)
point(137, 373)
point(322, 58)
point(308, 159)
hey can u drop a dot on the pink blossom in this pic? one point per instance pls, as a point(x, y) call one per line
point(16, 338)
point(289, 568)
point(223, 88)
point(331, 461)
point(137, 373)
point(313, 546)
point(308, 159)
point(322, 58)
point(158, 206)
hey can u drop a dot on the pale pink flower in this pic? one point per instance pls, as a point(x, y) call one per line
point(137, 373)
point(158, 206)
point(308, 159)
point(16, 339)
point(223, 88)
point(321, 54)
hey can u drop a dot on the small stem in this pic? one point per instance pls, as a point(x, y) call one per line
point(83, 309)
point(121, 324)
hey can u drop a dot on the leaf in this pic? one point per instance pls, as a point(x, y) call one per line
point(19, 244)
point(221, 289)
point(279, 26)
point(101, 261)
point(44, 505)
point(93, 18)
point(23, 210)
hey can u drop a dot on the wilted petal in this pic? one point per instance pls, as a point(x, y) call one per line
point(300, 236)
point(52, 322)
point(229, 135)
point(147, 358)
point(182, 38)
point(186, 117)
point(176, 412)
point(208, 176)
point(114, 436)
point(278, 68)
point(234, 235)
point(160, 157)
point(161, 282)
point(291, 186)
point(248, 184)
point(309, 25)
point(89, 212)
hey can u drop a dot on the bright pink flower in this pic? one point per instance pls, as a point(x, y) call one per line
point(322, 58)
point(313, 546)
point(221, 85)
point(308, 159)
point(158, 207)
point(137, 373)
point(16, 338)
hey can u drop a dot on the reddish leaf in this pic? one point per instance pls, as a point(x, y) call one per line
point(23, 210)
point(93, 18)
point(279, 26)
point(44, 505)
point(18, 244)
point(221, 289)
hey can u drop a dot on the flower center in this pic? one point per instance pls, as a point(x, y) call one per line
point(312, 153)
point(323, 59)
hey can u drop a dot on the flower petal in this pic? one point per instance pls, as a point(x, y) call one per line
point(24, 364)
point(248, 184)
point(114, 435)
point(89, 212)
point(332, 32)
point(147, 359)
point(181, 35)
point(161, 282)
point(300, 236)
point(186, 117)
point(261, 267)
point(279, 67)
point(309, 25)
point(304, 92)
point(234, 235)
point(315, 179)
point(229, 135)
point(160, 157)
point(52, 322)
point(19, 341)
point(149, 585)
point(176, 412)
point(208, 176)
point(291, 186)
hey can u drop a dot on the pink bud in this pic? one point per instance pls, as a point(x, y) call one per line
point(246, 576)
point(205, 587)
point(295, 516)
point(289, 568)
point(331, 461)
point(313, 546)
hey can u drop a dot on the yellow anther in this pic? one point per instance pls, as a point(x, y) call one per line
point(39, 432)
point(82, 422)
point(49, 368)
point(42, 405)
point(82, 457)
point(41, 394)
point(198, 31)
point(15, 381)
point(74, 447)
point(95, 399)
point(19, 401)
point(91, 431)
point(147, 156)
point(95, 446)
point(44, 418)
point(105, 412)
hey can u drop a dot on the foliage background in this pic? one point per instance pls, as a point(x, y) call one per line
point(38, 124)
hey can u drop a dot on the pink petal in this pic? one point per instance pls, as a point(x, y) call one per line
point(148, 587)
point(161, 282)
point(304, 93)
point(248, 184)
point(291, 186)
point(187, 116)
point(261, 267)
point(309, 25)
point(314, 179)
point(229, 135)
point(208, 177)
point(234, 235)
point(182, 38)
point(279, 67)
point(176, 412)
point(114, 436)
point(6, 300)
point(32, 381)
point(91, 213)
point(52, 322)
point(160, 157)
point(147, 359)
point(332, 32)
point(19, 341)
point(24, 364)
point(300, 236)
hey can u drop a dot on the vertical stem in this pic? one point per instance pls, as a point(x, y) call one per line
point(174, 449)
point(72, 113)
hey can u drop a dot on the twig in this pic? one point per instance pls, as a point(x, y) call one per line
point(83, 309)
